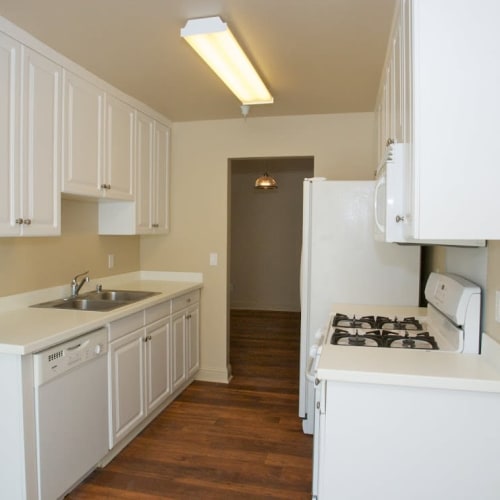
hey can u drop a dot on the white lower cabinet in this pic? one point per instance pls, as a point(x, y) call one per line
point(185, 338)
point(153, 355)
point(127, 384)
point(158, 362)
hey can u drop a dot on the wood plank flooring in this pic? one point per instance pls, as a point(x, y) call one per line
point(241, 440)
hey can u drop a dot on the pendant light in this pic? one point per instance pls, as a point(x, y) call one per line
point(266, 182)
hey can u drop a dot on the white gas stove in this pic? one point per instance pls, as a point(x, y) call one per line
point(411, 367)
point(451, 321)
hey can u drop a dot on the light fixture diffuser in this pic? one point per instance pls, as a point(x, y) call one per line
point(211, 38)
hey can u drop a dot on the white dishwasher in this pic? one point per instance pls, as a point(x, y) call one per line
point(71, 409)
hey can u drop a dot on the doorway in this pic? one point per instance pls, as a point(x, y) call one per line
point(265, 236)
point(266, 233)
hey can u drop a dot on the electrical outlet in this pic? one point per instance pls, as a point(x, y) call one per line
point(111, 261)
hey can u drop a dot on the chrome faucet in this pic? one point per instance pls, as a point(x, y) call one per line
point(75, 286)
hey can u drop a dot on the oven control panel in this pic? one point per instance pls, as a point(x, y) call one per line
point(453, 295)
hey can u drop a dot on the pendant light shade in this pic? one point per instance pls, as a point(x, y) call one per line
point(266, 182)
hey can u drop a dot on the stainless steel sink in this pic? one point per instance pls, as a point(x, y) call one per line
point(119, 295)
point(103, 300)
point(89, 305)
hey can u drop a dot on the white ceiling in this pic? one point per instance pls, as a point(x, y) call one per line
point(316, 56)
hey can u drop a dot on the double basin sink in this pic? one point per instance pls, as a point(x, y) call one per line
point(99, 300)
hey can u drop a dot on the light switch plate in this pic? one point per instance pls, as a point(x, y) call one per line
point(214, 259)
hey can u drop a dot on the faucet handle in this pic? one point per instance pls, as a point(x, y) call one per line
point(75, 279)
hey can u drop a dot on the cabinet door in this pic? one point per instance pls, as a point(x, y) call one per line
point(120, 150)
point(160, 216)
point(83, 136)
point(41, 146)
point(127, 400)
point(157, 363)
point(10, 86)
point(179, 373)
point(144, 178)
point(193, 340)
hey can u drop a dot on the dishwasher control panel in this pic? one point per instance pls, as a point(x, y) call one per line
point(69, 355)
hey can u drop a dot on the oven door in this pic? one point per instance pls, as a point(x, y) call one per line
point(319, 434)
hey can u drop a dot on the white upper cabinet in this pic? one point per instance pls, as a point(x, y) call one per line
point(443, 80)
point(149, 214)
point(159, 189)
point(30, 141)
point(145, 180)
point(83, 153)
point(98, 142)
point(63, 130)
point(120, 149)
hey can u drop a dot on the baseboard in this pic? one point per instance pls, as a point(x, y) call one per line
point(220, 376)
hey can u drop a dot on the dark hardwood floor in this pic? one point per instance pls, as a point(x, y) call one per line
point(241, 440)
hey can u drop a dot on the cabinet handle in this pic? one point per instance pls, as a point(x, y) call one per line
point(147, 337)
point(105, 186)
point(155, 225)
point(400, 218)
point(188, 316)
point(389, 142)
point(23, 221)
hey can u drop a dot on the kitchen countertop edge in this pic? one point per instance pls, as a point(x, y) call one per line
point(438, 370)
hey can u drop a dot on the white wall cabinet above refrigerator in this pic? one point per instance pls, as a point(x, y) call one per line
point(439, 96)
point(98, 155)
point(30, 141)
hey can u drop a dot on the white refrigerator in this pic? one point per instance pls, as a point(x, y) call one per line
point(342, 263)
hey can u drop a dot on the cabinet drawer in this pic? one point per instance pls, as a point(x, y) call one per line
point(159, 311)
point(185, 300)
point(125, 325)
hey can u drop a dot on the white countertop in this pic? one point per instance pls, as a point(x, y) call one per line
point(24, 329)
point(412, 368)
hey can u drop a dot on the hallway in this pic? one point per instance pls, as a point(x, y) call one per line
point(242, 440)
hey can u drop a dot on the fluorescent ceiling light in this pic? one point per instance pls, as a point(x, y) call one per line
point(215, 44)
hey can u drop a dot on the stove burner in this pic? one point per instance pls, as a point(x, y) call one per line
point(370, 338)
point(409, 323)
point(383, 338)
point(346, 321)
point(421, 340)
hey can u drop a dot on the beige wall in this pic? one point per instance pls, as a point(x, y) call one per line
point(342, 147)
point(481, 265)
point(31, 263)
